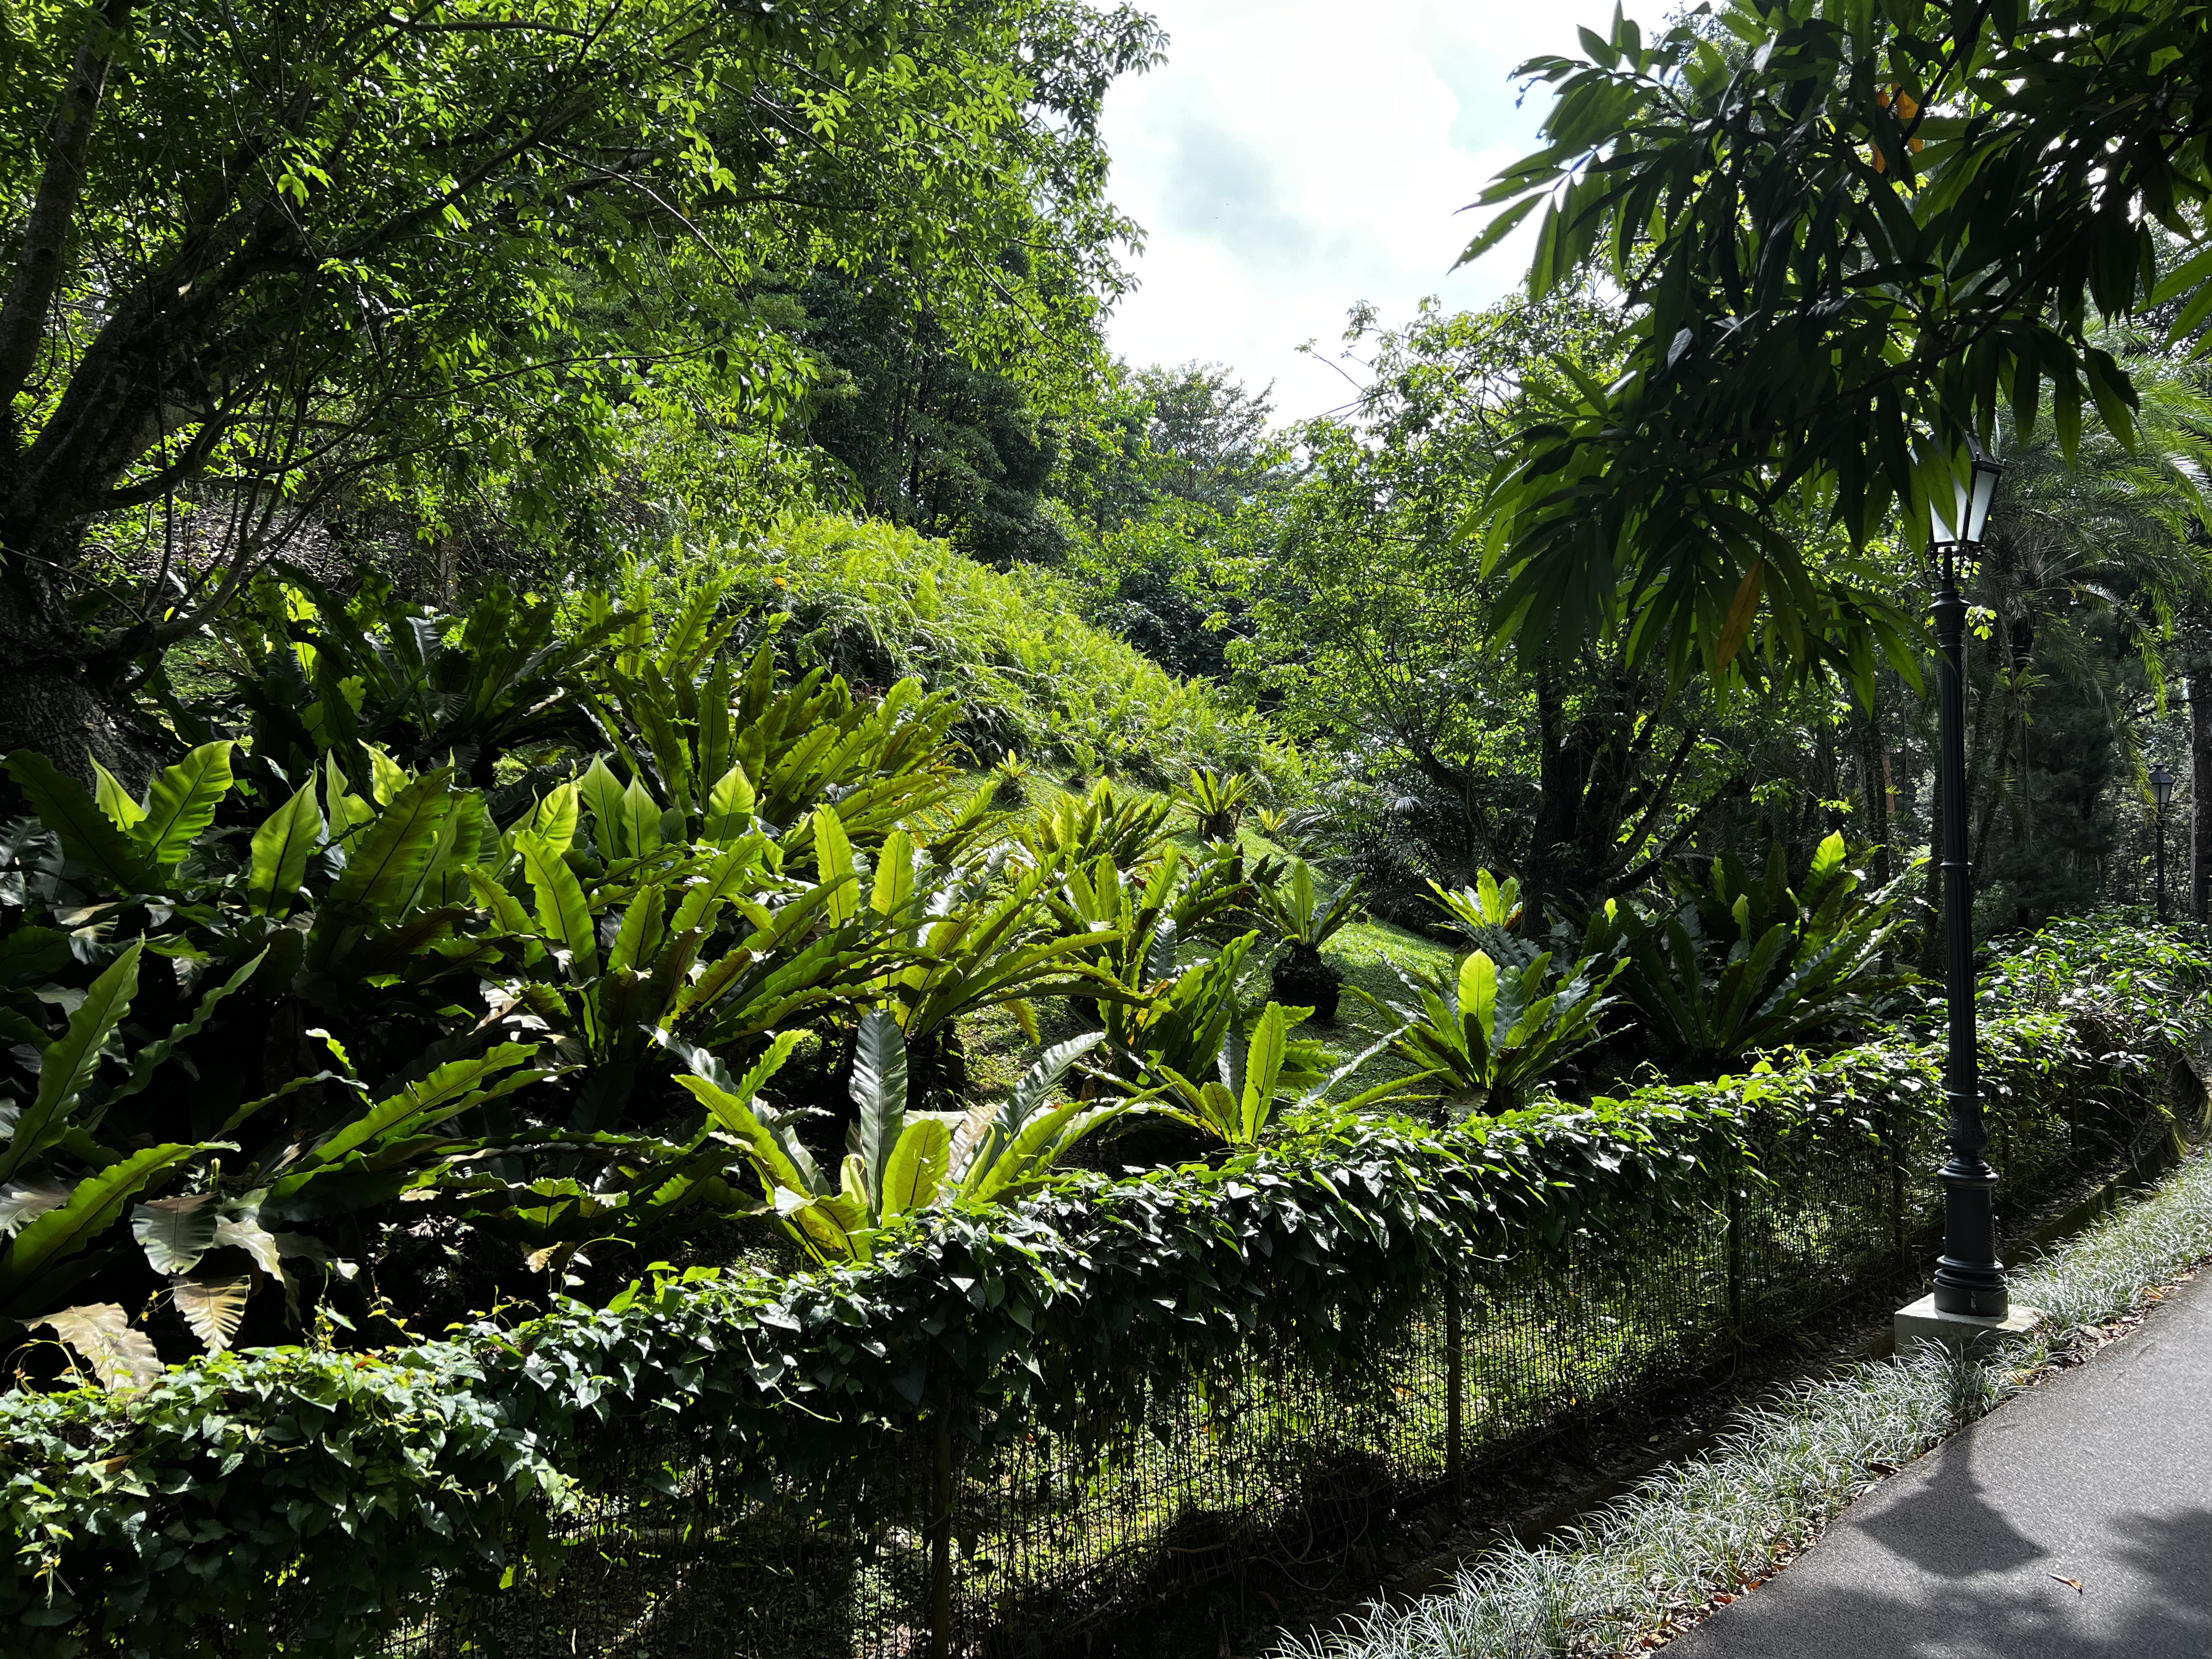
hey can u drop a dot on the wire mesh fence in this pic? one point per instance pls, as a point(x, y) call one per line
point(679, 1555)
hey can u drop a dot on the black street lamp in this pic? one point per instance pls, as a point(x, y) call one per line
point(2162, 792)
point(1969, 1278)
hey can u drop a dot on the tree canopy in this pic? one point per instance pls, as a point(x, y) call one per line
point(267, 250)
point(1846, 233)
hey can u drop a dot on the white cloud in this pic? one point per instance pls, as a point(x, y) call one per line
point(1292, 157)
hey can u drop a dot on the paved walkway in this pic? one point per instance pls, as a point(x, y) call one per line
point(2102, 1475)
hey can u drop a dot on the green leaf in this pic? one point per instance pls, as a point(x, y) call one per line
point(181, 803)
point(282, 845)
point(450, 1089)
point(554, 819)
point(72, 1059)
point(1269, 1042)
point(87, 835)
point(92, 1208)
point(640, 819)
point(915, 1173)
point(895, 883)
point(385, 870)
point(879, 1084)
point(729, 807)
point(114, 799)
point(562, 914)
point(603, 796)
point(639, 936)
point(833, 861)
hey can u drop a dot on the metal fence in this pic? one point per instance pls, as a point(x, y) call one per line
point(1278, 1465)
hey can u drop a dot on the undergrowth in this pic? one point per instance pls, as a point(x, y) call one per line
point(1711, 1525)
point(878, 603)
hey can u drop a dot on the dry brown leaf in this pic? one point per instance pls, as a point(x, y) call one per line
point(212, 1307)
point(101, 1331)
point(2074, 1585)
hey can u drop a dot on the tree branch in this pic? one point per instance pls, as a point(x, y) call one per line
point(45, 233)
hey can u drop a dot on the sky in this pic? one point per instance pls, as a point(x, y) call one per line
point(1292, 157)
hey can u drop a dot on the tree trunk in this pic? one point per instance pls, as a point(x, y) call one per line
point(1561, 774)
point(55, 696)
point(2200, 787)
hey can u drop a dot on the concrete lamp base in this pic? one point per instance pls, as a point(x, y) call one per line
point(1920, 1323)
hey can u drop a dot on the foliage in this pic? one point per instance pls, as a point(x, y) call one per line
point(1296, 913)
point(899, 1162)
point(2148, 982)
point(1240, 1105)
point(1216, 802)
point(1076, 832)
point(141, 1516)
point(1488, 913)
point(875, 602)
point(1578, 775)
point(1170, 1005)
point(1963, 191)
point(316, 675)
point(1736, 964)
point(454, 264)
point(1482, 1041)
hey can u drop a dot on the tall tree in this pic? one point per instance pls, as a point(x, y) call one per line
point(1845, 233)
point(1575, 771)
point(466, 234)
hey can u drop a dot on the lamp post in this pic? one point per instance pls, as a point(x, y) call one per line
point(1969, 1278)
point(2162, 792)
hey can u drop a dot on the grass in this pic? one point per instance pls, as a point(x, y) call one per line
point(874, 602)
point(1709, 1525)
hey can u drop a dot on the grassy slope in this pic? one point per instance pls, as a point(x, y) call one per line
point(873, 600)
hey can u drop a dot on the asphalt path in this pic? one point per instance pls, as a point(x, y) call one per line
point(2101, 1475)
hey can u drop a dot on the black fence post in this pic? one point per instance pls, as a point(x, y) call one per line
point(940, 1532)
point(1734, 1242)
point(1455, 1391)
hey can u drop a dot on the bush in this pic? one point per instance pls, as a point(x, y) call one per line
point(876, 602)
point(321, 1489)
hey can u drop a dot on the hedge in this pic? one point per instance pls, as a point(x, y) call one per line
point(299, 1499)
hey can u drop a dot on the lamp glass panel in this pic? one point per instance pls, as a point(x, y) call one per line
point(1977, 513)
point(2161, 784)
point(1945, 521)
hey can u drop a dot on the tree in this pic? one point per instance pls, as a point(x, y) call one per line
point(465, 237)
point(1179, 481)
point(1846, 233)
point(1578, 775)
point(928, 438)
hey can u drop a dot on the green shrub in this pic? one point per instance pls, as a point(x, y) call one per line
point(1731, 964)
point(348, 1483)
point(877, 603)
